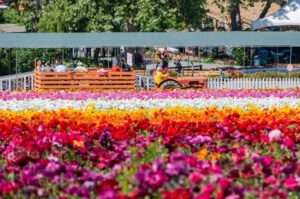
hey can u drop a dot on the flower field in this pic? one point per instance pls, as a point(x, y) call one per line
point(180, 144)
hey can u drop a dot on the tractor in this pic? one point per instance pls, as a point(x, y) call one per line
point(183, 82)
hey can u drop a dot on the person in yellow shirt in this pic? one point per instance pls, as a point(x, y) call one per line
point(160, 75)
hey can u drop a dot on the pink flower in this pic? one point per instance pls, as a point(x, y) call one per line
point(233, 196)
point(291, 183)
point(267, 161)
point(224, 183)
point(288, 142)
point(270, 180)
point(274, 135)
point(207, 189)
point(195, 178)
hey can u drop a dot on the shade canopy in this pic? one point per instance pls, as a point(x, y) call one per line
point(288, 15)
point(172, 39)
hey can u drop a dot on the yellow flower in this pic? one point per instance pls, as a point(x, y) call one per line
point(202, 154)
point(78, 143)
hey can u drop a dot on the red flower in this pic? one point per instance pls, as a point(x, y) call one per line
point(107, 185)
point(179, 193)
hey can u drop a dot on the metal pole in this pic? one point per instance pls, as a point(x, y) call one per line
point(9, 61)
point(16, 61)
point(107, 57)
point(277, 62)
point(17, 80)
point(244, 57)
point(291, 53)
point(251, 56)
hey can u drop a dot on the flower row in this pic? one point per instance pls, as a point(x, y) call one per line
point(170, 121)
point(132, 104)
point(150, 95)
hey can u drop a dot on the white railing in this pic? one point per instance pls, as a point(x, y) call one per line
point(25, 81)
point(21, 81)
point(144, 82)
point(251, 83)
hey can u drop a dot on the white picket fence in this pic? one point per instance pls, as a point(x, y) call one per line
point(25, 81)
point(249, 83)
point(21, 81)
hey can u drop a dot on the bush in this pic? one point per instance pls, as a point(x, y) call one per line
point(209, 60)
point(11, 16)
point(273, 75)
point(239, 55)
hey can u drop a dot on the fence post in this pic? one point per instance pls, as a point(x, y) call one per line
point(139, 81)
point(148, 83)
point(25, 83)
point(9, 84)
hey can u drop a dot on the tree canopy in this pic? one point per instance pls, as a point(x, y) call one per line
point(108, 15)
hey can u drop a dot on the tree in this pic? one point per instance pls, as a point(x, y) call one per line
point(29, 11)
point(66, 16)
point(159, 15)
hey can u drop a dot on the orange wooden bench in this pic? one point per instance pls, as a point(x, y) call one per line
point(90, 80)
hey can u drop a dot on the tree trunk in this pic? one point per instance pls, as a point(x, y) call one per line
point(235, 15)
point(216, 23)
point(266, 9)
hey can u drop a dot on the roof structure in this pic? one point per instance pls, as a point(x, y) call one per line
point(248, 14)
point(148, 39)
point(14, 28)
point(288, 15)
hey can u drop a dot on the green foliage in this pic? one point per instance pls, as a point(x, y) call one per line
point(1, 17)
point(240, 56)
point(31, 12)
point(273, 75)
point(4, 62)
point(84, 16)
point(209, 60)
point(159, 15)
point(25, 58)
point(12, 16)
point(107, 15)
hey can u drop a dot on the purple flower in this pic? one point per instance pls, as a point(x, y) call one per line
point(105, 139)
point(174, 169)
point(200, 140)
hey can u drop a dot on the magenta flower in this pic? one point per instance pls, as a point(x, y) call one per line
point(195, 178)
point(288, 142)
point(291, 183)
point(270, 180)
point(267, 161)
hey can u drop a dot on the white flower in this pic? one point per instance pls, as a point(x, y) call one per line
point(131, 104)
point(274, 134)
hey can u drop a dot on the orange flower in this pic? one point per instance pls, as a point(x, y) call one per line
point(78, 143)
point(202, 154)
point(215, 156)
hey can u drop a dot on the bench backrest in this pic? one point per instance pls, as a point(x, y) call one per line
point(90, 80)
